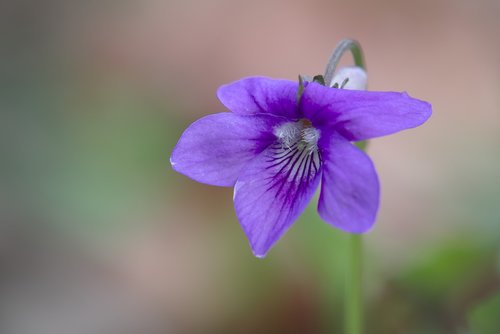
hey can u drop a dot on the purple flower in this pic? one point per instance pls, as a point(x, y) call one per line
point(274, 148)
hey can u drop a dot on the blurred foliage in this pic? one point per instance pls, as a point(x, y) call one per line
point(485, 317)
point(434, 292)
point(96, 160)
point(447, 269)
point(86, 148)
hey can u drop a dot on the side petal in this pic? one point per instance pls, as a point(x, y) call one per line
point(272, 191)
point(261, 95)
point(349, 196)
point(214, 149)
point(360, 115)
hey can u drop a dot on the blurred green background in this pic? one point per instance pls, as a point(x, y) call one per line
point(99, 235)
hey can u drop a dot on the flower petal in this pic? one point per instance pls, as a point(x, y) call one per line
point(214, 149)
point(360, 115)
point(261, 95)
point(350, 194)
point(272, 192)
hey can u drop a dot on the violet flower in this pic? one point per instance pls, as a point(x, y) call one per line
point(277, 144)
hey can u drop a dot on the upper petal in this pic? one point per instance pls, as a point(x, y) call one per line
point(215, 148)
point(360, 115)
point(272, 191)
point(257, 95)
point(350, 195)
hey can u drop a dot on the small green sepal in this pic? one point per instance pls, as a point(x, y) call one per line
point(361, 144)
point(300, 91)
point(319, 79)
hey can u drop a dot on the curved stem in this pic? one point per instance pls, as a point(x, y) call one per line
point(344, 45)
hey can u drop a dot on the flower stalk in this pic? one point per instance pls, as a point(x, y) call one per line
point(354, 273)
point(353, 289)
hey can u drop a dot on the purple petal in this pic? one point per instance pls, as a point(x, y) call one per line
point(360, 115)
point(350, 195)
point(272, 192)
point(260, 95)
point(215, 148)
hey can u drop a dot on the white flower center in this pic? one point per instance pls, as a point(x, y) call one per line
point(300, 133)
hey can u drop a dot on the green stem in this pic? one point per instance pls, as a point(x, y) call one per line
point(354, 296)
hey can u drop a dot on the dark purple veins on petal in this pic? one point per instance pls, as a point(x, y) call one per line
point(293, 160)
point(267, 206)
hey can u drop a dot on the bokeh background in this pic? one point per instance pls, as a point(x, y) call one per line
point(99, 235)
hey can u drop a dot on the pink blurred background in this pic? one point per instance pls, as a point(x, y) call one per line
point(99, 235)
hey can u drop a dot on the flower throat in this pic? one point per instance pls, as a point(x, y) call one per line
point(301, 135)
